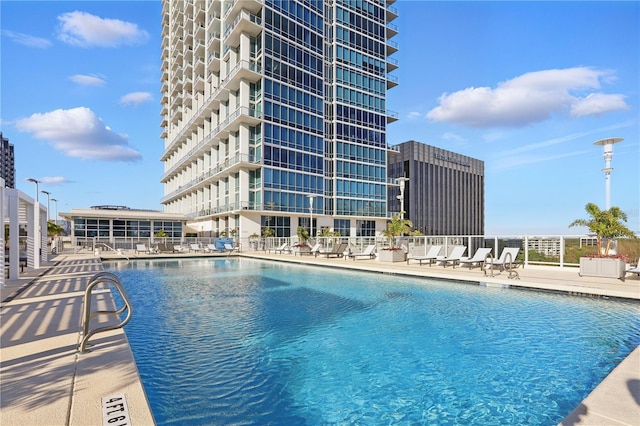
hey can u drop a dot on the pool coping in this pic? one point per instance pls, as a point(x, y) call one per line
point(65, 388)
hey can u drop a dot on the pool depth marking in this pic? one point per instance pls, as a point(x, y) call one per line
point(115, 411)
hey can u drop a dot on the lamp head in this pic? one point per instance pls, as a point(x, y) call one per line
point(36, 181)
point(45, 192)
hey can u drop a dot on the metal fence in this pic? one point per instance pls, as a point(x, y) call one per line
point(552, 250)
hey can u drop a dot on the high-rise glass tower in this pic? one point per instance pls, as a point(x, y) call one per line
point(274, 114)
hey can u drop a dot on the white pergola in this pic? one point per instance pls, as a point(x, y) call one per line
point(17, 208)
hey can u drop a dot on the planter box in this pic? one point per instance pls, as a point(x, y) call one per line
point(602, 267)
point(391, 256)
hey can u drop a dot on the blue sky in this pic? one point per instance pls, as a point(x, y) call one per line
point(527, 87)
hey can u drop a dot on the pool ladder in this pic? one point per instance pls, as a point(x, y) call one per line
point(87, 315)
point(509, 266)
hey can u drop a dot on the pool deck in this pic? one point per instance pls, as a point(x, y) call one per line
point(44, 381)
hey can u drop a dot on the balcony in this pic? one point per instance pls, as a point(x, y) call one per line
point(231, 8)
point(392, 30)
point(392, 81)
point(392, 116)
point(224, 169)
point(245, 23)
point(391, 13)
point(392, 47)
point(392, 64)
point(242, 71)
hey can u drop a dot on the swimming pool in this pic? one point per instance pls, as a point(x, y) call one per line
point(242, 341)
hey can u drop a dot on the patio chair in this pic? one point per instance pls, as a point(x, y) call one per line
point(284, 248)
point(478, 258)
point(142, 248)
point(368, 253)
point(635, 270)
point(315, 249)
point(454, 257)
point(337, 251)
point(431, 256)
point(209, 248)
point(194, 247)
point(229, 248)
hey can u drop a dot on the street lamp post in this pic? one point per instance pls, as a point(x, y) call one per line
point(55, 219)
point(36, 219)
point(401, 181)
point(311, 197)
point(607, 146)
point(48, 204)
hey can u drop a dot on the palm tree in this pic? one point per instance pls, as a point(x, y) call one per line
point(397, 227)
point(605, 224)
point(54, 230)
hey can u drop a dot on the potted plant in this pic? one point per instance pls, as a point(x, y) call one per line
point(396, 227)
point(301, 246)
point(253, 240)
point(608, 225)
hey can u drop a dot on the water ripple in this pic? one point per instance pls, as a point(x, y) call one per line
point(245, 342)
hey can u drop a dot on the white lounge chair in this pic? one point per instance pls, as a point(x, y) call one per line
point(431, 256)
point(315, 249)
point(142, 248)
point(478, 258)
point(194, 247)
point(635, 270)
point(210, 248)
point(368, 252)
point(454, 257)
point(508, 256)
point(229, 248)
point(337, 251)
point(284, 248)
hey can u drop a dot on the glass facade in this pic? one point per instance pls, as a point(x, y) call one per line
point(89, 228)
point(265, 102)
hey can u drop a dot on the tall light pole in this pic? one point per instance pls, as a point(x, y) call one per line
point(36, 219)
point(311, 197)
point(401, 181)
point(55, 219)
point(607, 145)
point(48, 202)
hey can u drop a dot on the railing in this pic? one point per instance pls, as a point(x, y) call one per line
point(108, 247)
point(539, 250)
point(102, 278)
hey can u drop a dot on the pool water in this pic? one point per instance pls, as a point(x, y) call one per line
point(241, 341)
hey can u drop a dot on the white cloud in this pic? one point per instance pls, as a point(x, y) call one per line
point(136, 98)
point(78, 132)
point(88, 80)
point(413, 115)
point(529, 154)
point(84, 30)
point(453, 137)
point(27, 40)
point(54, 180)
point(598, 103)
point(518, 161)
point(527, 99)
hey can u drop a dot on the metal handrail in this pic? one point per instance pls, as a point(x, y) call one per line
point(102, 278)
point(108, 247)
point(507, 265)
point(484, 264)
